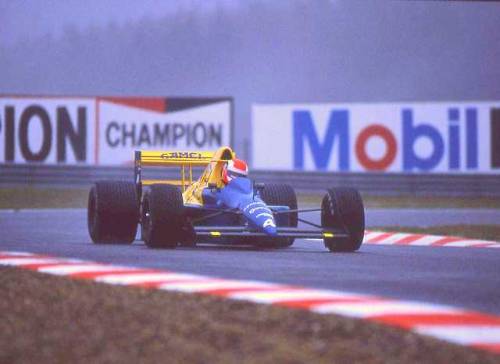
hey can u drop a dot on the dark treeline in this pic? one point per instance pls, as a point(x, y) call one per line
point(284, 51)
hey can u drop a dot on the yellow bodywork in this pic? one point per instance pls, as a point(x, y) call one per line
point(191, 189)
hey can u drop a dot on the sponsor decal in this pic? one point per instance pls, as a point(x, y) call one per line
point(269, 222)
point(433, 137)
point(177, 155)
point(268, 214)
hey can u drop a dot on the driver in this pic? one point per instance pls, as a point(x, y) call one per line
point(234, 168)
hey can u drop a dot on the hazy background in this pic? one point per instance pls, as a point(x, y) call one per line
point(255, 51)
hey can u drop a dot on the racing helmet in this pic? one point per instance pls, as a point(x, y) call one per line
point(234, 168)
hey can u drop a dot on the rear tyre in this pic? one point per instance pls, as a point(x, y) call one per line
point(281, 195)
point(112, 212)
point(342, 208)
point(163, 217)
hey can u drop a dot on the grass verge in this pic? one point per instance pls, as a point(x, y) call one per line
point(48, 319)
point(30, 197)
point(49, 197)
point(483, 232)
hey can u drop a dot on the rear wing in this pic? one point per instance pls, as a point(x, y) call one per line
point(165, 158)
point(184, 160)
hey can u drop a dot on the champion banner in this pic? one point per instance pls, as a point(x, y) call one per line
point(106, 130)
point(443, 137)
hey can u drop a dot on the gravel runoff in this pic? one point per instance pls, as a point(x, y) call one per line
point(47, 319)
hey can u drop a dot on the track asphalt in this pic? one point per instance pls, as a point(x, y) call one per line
point(432, 217)
point(462, 277)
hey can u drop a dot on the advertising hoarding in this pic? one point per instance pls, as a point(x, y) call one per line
point(447, 137)
point(107, 130)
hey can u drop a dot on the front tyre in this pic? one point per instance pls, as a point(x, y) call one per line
point(163, 217)
point(342, 208)
point(112, 212)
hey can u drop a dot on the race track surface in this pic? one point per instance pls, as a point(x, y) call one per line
point(432, 217)
point(462, 277)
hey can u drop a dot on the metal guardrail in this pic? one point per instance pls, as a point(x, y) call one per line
point(383, 184)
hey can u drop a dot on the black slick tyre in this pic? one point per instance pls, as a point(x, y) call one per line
point(163, 217)
point(281, 195)
point(342, 208)
point(112, 212)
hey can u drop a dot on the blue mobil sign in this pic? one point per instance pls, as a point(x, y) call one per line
point(423, 137)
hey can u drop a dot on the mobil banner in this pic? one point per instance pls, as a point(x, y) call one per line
point(444, 137)
point(107, 130)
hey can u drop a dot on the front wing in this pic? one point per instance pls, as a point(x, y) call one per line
point(218, 231)
point(283, 232)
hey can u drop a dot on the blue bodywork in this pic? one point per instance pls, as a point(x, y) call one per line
point(239, 194)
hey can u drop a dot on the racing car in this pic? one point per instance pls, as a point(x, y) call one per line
point(222, 206)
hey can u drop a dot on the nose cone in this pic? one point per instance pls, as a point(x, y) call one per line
point(269, 225)
point(260, 217)
point(270, 229)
